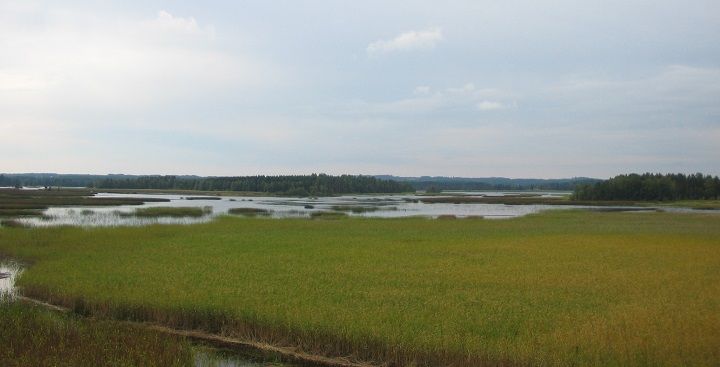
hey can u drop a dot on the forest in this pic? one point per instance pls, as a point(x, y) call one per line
point(441, 183)
point(298, 185)
point(649, 186)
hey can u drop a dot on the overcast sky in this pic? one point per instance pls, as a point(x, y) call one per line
point(456, 87)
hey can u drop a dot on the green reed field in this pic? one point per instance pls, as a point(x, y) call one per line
point(30, 336)
point(558, 288)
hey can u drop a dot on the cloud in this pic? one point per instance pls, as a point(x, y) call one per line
point(490, 105)
point(408, 41)
point(16, 82)
point(675, 94)
point(466, 98)
point(421, 90)
point(125, 68)
point(186, 26)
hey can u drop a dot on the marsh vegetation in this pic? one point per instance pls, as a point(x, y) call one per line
point(172, 212)
point(558, 288)
point(29, 202)
point(249, 212)
point(36, 337)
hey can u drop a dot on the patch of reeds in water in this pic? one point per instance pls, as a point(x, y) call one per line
point(19, 212)
point(250, 212)
point(42, 199)
point(173, 212)
point(12, 223)
point(354, 208)
point(328, 215)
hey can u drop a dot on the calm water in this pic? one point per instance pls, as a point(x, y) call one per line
point(386, 206)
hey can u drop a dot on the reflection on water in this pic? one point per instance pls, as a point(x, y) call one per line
point(9, 271)
point(103, 217)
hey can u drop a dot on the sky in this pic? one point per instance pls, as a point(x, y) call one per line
point(472, 88)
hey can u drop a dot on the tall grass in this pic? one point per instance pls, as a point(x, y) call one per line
point(560, 288)
point(35, 337)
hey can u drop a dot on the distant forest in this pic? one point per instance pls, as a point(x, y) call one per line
point(491, 183)
point(315, 184)
point(288, 185)
point(650, 186)
point(623, 187)
point(292, 185)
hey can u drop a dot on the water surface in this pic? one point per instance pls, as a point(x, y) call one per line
point(383, 206)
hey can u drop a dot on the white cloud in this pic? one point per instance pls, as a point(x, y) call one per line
point(60, 72)
point(671, 95)
point(466, 98)
point(187, 26)
point(408, 41)
point(490, 105)
point(21, 82)
point(421, 90)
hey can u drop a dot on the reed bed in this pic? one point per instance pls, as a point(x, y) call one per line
point(328, 215)
point(249, 212)
point(558, 288)
point(15, 199)
point(174, 212)
point(34, 337)
point(355, 208)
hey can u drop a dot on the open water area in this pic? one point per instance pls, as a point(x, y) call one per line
point(381, 206)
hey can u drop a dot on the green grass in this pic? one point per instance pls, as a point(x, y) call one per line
point(31, 336)
point(559, 288)
point(175, 212)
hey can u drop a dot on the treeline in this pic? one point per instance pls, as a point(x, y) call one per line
point(299, 185)
point(655, 187)
point(491, 183)
point(47, 179)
